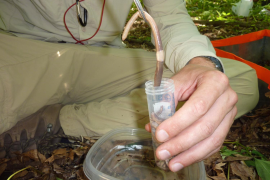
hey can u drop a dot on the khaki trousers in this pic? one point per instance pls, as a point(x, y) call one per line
point(102, 87)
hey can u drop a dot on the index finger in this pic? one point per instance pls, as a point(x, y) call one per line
point(209, 88)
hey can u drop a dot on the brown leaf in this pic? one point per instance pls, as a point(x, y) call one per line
point(41, 157)
point(3, 168)
point(50, 159)
point(62, 151)
point(238, 157)
point(71, 154)
point(32, 154)
point(212, 159)
point(217, 178)
point(20, 174)
point(4, 160)
point(218, 168)
point(45, 169)
point(80, 151)
point(58, 169)
point(81, 175)
point(242, 170)
point(52, 176)
point(267, 94)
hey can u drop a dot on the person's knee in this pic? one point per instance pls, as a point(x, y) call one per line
point(246, 87)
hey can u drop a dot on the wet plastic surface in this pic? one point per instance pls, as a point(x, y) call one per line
point(127, 154)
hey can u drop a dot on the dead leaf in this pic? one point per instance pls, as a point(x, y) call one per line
point(80, 151)
point(60, 153)
point(217, 178)
point(241, 170)
point(58, 169)
point(238, 157)
point(20, 174)
point(218, 168)
point(50, 159)
point(213, 158)
point(71, 155)
point(32, 154)
point(4, 160)
point(3, 168)
point(45, 168)
point(267, 94)
point(81, 175)
point(41, 157)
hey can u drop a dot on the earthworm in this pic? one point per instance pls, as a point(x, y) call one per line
point(158, 44)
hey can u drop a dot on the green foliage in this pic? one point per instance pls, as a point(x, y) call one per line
point(267, 67)
point(221, 10)
point(224, 151)
point(263, 169)
point(250, 163)
point(259, 161)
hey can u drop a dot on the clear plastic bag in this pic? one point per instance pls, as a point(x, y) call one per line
point(243, 7)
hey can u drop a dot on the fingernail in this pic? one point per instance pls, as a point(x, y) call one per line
point(164, 154)
point(162, 136)
point(177, 167)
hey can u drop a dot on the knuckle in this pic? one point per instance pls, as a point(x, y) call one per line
point(223, 78)
point(200, 107)
point(193, 158)
point(234, 111)
point(217, 142)
point(234, 97)
point(219, 77)
point(177, 148)
point(207, 129)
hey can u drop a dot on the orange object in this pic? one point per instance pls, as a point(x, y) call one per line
point(262, 73)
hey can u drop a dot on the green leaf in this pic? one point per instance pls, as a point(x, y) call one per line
point(267, 67)
point(250, 163)
point(258, 154)
point(58, 178)
point(226, 152)
point(263, 169)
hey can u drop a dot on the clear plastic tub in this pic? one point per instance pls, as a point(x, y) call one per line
point(127, 154)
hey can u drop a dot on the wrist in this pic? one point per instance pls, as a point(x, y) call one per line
point(202, 61)
point(207, 61)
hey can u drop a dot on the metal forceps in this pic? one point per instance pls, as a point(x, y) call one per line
point(79, 14)
point(140, 9)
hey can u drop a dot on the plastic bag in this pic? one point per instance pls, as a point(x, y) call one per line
point(243, 7)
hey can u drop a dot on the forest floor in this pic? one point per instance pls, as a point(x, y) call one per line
point(245, 152)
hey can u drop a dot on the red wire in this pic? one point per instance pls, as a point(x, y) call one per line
point(81, 41)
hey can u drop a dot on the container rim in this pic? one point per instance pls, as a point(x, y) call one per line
point(167, 85)
point(87, 167)
point(105, 138)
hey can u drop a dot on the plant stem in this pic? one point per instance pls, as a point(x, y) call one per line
point(228, 175)
point(237, 143)
point(18, 172)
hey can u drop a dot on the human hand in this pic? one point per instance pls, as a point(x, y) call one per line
point(197, 130)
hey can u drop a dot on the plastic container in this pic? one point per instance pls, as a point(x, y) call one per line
point(243, 7)
point(161, 106)
point(127, 154)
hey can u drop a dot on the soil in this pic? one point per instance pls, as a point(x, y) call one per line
point(251, 130)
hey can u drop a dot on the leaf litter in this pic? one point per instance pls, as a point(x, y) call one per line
point(245, 154)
